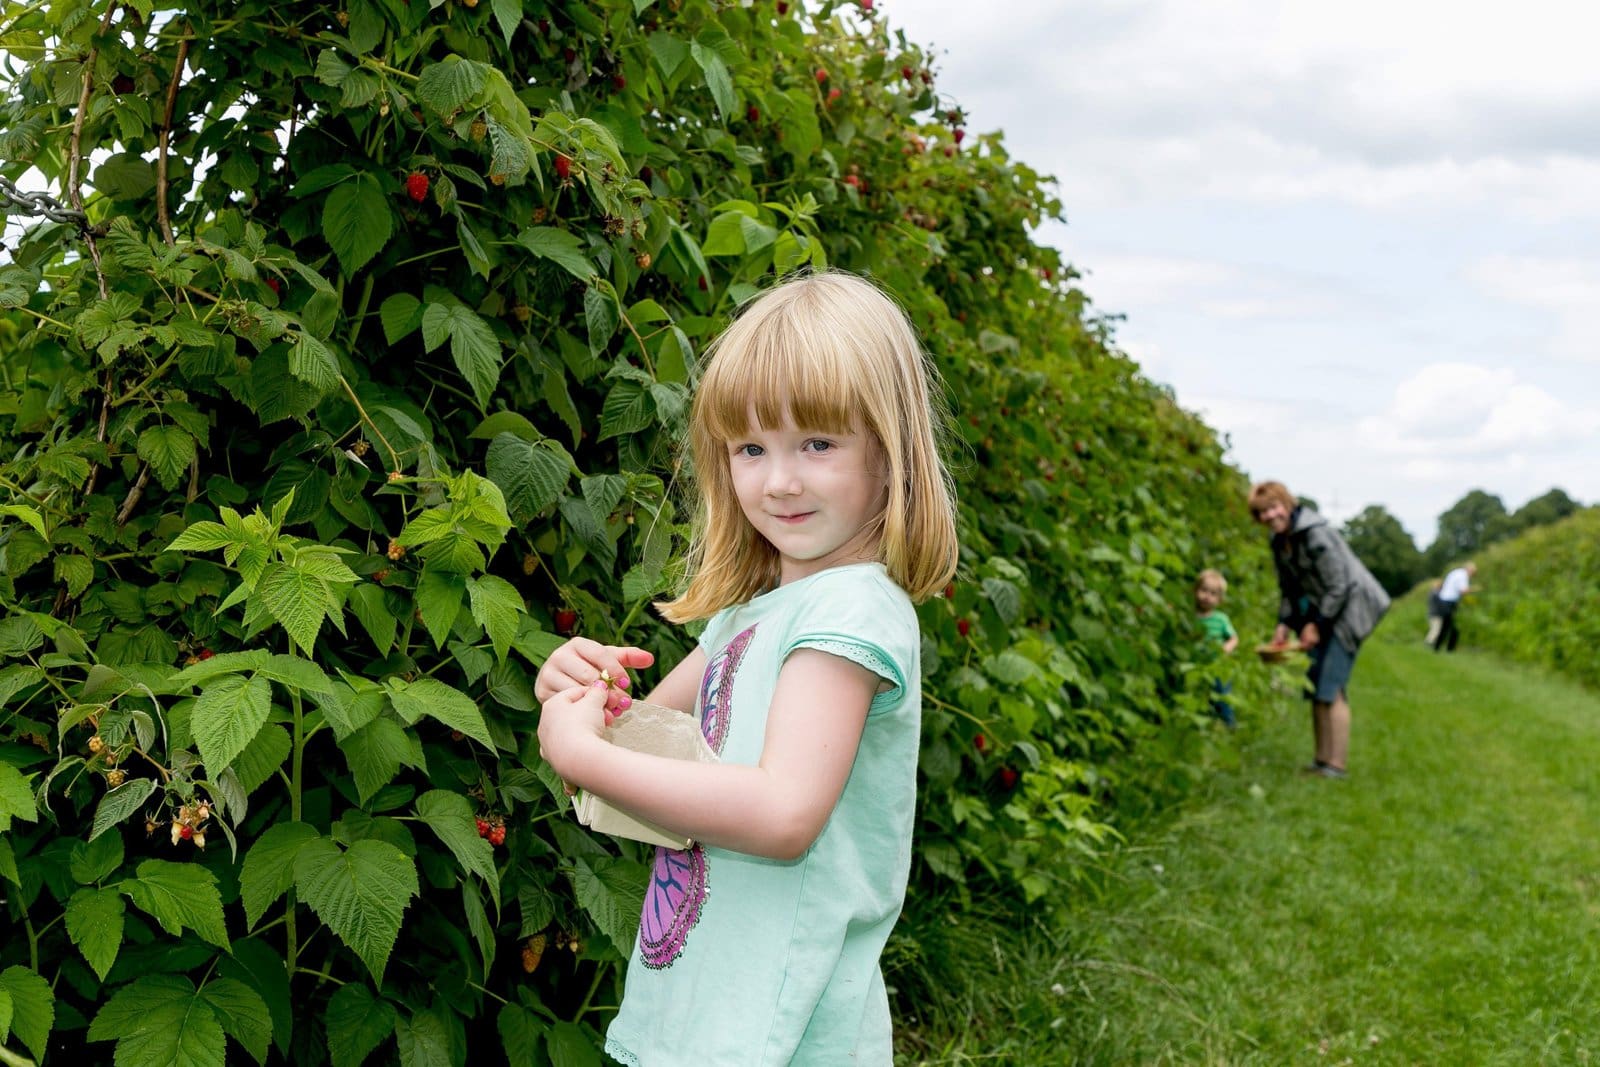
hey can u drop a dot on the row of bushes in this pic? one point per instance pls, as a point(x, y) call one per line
point(362, 390)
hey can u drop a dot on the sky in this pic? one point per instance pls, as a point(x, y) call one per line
point(1361, 240)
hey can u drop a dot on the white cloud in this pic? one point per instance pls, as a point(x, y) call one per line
point(1568, 288)
point(1452, 411)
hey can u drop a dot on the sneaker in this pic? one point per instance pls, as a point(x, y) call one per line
point(1328, 770)
point(1314, 767)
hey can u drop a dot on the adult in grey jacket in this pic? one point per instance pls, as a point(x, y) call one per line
point(1331, 600)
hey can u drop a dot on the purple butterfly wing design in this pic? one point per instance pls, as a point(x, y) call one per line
point(678, 883)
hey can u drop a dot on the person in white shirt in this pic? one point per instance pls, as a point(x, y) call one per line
point(1457, 584)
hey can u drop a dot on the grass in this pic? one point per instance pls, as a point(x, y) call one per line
point(1440, 906)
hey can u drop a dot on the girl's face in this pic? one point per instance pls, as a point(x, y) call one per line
point(812, 495)
point(1274, 516)
point(1207, 598)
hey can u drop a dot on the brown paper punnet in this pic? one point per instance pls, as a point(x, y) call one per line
point(660, 731)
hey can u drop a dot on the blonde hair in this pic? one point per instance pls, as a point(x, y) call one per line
point(1211, 579)
point(1265, 494)
point(830, 352)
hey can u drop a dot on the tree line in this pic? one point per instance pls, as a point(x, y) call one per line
point(1474, 522)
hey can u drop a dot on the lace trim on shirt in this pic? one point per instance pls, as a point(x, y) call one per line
point(617, 1052)
point(860, 654)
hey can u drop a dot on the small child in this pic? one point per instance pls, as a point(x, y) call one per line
point(825, 512)
point(1209, 589)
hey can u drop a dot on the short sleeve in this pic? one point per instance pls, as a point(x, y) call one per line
point(860, 615)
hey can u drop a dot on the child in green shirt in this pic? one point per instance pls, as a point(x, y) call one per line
point(1209, 589)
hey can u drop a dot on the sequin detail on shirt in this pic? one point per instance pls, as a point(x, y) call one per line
point(678, 883)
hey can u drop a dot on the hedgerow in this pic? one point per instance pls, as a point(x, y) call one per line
point(351, 384)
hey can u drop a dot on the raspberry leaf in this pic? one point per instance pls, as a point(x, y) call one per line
point(229, 714)
point(428, 696)
point(179, 895)
point(268, 869)
point(357, 1024)
point(159, 1021)
point(33, 1010)
point(450, 816)
point(360, 893)
point(242, 1013)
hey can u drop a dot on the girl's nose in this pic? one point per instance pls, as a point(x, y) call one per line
point(782, 479)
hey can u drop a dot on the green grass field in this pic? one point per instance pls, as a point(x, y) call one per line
point(1442, 906)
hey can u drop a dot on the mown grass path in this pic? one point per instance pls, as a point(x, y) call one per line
point(1442, 906)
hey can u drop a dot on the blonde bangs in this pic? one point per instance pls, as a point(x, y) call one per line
point(826, 352)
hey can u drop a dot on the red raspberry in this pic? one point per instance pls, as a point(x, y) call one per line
point(483, 826)
point(186, 832)
point(563, 167)
point(752, 114)
point(417, 186)
point(204, 653)
point(1008, 777)
point(618, 82)
point(834, 94)
point(566, 621)
point(497, 836)
point(959, 135)
point(963, 627)
point(908, 74)
point(822, 75)
point(980, 743)
point(276, 286)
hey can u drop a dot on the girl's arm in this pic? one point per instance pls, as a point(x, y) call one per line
point(774, 809)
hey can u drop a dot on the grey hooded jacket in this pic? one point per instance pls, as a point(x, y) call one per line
point(1321, 579)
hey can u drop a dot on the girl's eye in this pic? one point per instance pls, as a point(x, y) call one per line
point(818, 445)
point(747, 450)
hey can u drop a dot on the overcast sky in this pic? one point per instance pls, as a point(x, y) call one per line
point(1362, 240)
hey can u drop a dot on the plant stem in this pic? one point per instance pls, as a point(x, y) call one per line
point(296, 787)
point(594, 987)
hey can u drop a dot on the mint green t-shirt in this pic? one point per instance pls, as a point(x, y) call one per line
point(1217, 626)
point(746, 961)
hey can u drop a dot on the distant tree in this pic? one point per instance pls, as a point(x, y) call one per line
point(1307, 502)
point(1543, 510)
point(1477, 519)
point(1389, 552)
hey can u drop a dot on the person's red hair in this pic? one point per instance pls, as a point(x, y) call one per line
point(1264, 494)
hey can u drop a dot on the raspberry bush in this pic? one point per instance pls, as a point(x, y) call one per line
point(359, 387)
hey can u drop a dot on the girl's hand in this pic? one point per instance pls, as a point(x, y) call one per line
point(1280, 636)
point(581, 662)
point(570, 724)
point(1309, 636)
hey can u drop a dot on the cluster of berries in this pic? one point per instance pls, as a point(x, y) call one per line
point(190, 825)
point(492, 829)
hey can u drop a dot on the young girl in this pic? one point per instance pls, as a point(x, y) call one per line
point(825, 511)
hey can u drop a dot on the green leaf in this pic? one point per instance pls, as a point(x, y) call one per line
point(357, 1023)
point(498, 608)
point(158, 1021)
point(725, 237)
point(296, 673)
point(357, 222)
point(27, 515)
point(718, 80)
point(16, 798)
point(33, 1007)
point(560, 247)
point(508, 13)
point(179, 895)
point(611, 890)
point(360, 893)
point(203, 536)
point(119, 803)
point(217, 666)
point(532, 476)
point(400, 314)
point(8, 863)
point(297, 600)
point(227, 717)
point(451, 816)
point(331, 69)
point(1005, 596)
point(368, 601)
point(262, 758)
point(628, 409)
point(312, 362)
point(375, 753)
point(93, 860)
point(259, 966)
point(438, 597)
point(424, 1040)
point(599, 317)
point(669, 52)
point(94, 923)
point(520, 1030)
point(75, 572)
point(431, 697)
point(268, 869)
point(447, 86)
point(473, 346)
point(242, 1013)
point(169, 451)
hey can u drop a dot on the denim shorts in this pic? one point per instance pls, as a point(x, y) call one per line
point(1331, 664)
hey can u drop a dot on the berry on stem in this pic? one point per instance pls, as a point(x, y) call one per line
point(563, 167)
point(417, 186)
